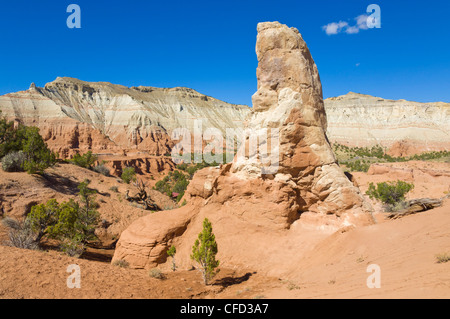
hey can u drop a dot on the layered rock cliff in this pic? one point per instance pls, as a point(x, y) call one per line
point(363, 120)
point(75, 115)
point(105, 118)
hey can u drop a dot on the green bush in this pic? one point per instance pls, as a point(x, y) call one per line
point(37, 156)
point(86, 160)
point(52, 219)
point(10, 138)
point(128, 175)
point(72, 223)
point(357, 166)
point(389, 193)
point(378, 152)
point(174, 182)
point(13, 162)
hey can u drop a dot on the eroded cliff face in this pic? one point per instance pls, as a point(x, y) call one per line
point(106, 118)
point(405, 127)
point(77, 116)
point(259, 215)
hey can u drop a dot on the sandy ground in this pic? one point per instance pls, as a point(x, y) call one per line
point(337, 267)
point(405, 251)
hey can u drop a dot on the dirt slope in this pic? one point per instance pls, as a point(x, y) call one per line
point(20, 191)
point(404, 249)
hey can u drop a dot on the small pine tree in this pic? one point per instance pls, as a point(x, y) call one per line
point(37, 156)
point(11, 139)
point(171, 253)
point(88, 215)
point(204, 252)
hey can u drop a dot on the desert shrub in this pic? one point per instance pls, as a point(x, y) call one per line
point(163, 186)
point(156, 273)
point(391, 208)
point(128, 175)
point(73, 247)
point(72, 223)
point(357, 166)
point(102, 169)
point(53, 220)
point(174, 182)
point(86, 160)
point(182, 166)
point(194, 168)
point(204, 252)
point(13, 162)
point(114, 189)
point(378, 152)
point(19, 235)
point(442, 258)
point(292, 286)
point(180, 187)
point(122, 263)
point(389, 193)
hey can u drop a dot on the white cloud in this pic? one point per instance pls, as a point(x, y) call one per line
point(361, 21)
point(334, 28)
point(342, 26)
point(352, 30)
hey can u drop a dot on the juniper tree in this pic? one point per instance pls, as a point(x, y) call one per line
point(171, 253)
point(389, 193)
point(72, 223)
point(204, 252)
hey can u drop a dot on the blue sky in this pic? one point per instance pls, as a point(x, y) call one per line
point(210, 45)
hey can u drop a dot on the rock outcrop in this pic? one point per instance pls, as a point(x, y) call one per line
point(403, 127)
point(259, 208)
